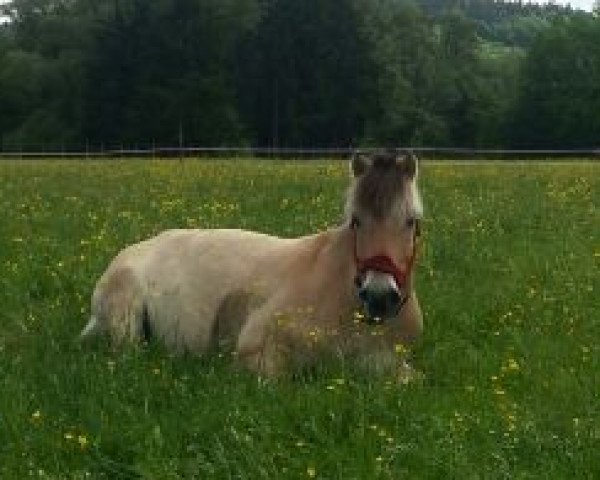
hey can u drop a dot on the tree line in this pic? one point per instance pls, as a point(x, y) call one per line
point(288, 73)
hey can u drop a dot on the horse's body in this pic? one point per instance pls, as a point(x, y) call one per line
point(273, 301)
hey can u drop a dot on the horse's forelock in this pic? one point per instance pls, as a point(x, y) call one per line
point(377, 190)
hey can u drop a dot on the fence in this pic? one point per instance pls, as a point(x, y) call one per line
point(302, 153)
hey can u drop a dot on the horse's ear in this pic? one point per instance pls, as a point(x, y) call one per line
point(358, 164)
point(410, 164)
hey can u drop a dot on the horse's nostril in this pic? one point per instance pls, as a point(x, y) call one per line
point(363, 294)
point(393, 297)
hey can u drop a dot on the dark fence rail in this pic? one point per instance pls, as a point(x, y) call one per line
point(301, 153)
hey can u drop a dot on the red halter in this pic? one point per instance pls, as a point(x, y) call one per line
point(384, 264)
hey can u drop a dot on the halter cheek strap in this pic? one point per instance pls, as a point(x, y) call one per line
point(384, 264)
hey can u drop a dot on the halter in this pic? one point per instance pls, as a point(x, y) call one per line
point(383, 263)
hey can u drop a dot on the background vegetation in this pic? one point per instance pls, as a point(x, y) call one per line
point(508, 280)
point(77, 73)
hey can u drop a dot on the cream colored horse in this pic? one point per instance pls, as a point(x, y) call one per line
point(279, 303)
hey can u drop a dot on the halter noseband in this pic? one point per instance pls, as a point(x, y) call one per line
point(383, 263)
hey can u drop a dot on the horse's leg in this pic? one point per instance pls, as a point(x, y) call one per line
point(411, 320)
point(258, 345)
point(379, 362)
point(406, 373)
point(411, 328)
point(388, 363)
point(382, 357)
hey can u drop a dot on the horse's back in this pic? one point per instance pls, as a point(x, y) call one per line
point(173, 285)
point(187, 252)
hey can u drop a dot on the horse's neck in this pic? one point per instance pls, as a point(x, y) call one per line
point(334, 260)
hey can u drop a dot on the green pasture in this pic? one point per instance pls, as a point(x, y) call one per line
point(509, 281)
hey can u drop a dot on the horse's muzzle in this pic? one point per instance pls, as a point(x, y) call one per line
point(380, 296)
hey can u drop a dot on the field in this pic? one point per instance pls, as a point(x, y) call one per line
point(509, 282)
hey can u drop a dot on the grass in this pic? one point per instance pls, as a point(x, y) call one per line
point(508, 281)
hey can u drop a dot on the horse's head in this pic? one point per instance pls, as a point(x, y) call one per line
point(383, 211)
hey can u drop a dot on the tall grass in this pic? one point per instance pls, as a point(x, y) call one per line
point(508, 281)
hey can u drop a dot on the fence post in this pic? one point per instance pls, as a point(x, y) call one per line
point(180, 140)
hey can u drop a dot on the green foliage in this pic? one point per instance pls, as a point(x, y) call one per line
point(404, 51)
point(156, 85)
point(513, 23)
point(519, 31)
point(78, 73)
point(306, 76)
point(440, 93)
point(558, 94)
point(508, 280)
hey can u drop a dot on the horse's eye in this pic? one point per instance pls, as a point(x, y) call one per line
point(411, 222)
point(354, 222)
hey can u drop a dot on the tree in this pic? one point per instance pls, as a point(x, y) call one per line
point(305, 75)
point(432, 89)
point(462, 94)
point(403, 49)
point(164, 68)
point(40, 74)
point(296, 73)
point(559, 96)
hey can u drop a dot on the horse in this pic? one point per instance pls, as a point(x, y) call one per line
point(277, 303)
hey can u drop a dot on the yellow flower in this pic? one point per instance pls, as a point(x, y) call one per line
point(512, 364)
point(37, 415)
point(82, 440)
point(315, 335)
point(311, 472)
